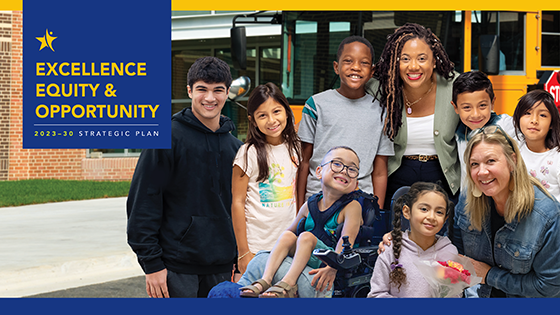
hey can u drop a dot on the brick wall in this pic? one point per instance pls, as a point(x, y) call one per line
point(5, 75)
point(108, 169)
point(17, 163)
point(18, 166)
point(53, 163)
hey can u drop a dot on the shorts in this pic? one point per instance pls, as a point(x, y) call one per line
point(315, 262)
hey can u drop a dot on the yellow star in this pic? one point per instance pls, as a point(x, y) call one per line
point(46, 40)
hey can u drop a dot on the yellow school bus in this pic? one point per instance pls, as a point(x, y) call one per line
point(515, 48)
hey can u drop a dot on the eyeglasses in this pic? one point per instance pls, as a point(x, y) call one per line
point(488, 130)
point(338, 167)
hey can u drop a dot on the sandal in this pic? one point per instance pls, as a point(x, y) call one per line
point(281, 290)
point(255, 290)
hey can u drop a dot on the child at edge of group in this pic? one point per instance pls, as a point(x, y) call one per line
point(338, 173)
point(346, 116)
point(426, 206)
point(473, 100)
point(537, 123)
point(264, 174)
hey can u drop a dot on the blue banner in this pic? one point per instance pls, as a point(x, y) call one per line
point(279, 306)
point(98, 76)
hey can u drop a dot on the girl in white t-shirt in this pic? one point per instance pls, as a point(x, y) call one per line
point(264, 174)
point(536, 118)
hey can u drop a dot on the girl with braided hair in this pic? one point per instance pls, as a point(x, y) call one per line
point(413, 81)
point(426, 206)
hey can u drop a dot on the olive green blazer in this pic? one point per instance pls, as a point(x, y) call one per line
point(445, 124)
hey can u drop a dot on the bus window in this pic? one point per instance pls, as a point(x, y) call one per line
point(310, 44)
point(311, 39)
point(270, 65)
point(510, 28)
point(447, 25)
point(550, 39)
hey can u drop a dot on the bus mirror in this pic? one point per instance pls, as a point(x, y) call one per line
point(239, 87)
point(489, 54)
point(239, 47)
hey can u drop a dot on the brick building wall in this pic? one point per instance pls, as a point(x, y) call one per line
point(109, 168)
point(5, 74)
point(17, 163)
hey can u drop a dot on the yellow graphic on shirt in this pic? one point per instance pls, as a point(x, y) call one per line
point(272, 191)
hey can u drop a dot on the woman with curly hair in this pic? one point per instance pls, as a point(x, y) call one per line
point(413, 81)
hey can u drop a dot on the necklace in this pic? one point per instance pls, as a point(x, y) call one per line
point(409, 104)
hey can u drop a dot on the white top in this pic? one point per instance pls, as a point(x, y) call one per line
point(420, 136)
point(543, 166)
point(270, 206)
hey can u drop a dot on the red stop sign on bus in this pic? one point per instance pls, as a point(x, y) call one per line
point(552, 86)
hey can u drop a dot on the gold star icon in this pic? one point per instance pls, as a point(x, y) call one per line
point(46, 40)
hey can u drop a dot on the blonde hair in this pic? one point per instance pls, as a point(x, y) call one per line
point(520, 200)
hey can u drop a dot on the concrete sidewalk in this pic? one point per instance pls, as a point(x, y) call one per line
point(62, 245)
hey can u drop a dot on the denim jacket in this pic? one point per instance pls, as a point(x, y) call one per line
point(526, 252)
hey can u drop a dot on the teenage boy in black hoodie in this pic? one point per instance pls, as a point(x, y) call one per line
point(179, 204)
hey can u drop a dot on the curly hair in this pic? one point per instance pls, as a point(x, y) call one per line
point(397, 277)
point(386, 71)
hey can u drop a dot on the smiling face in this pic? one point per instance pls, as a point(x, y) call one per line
point(208, 99)
point(271, 119)
point(340, 182)
point(490, 170)
point(474, 108)
point(427, 216)
point(416, 63)
point(535, 124)
point(354, 68)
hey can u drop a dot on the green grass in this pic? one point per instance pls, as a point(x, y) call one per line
point(33, 191)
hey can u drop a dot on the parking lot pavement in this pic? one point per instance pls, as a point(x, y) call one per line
point(127, 288)
point(56, 246)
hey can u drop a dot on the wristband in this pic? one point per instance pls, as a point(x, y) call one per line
point(241, 257)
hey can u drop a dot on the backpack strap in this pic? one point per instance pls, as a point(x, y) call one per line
point(375, 222)
point(320, 218)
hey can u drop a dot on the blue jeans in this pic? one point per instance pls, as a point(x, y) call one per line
point(255, 270)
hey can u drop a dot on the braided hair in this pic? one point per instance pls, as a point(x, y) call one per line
point(397, 277)
point(386, 71)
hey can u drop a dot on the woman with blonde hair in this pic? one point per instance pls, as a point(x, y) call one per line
point(507, 222)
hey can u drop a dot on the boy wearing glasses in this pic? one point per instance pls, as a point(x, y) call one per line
point(179, 204)
point(473, 100)
point(322, 213)
point(345, 116)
